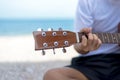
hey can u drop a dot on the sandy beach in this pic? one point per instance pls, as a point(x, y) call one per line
point(19, 60)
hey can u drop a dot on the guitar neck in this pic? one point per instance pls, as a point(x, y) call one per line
point(113, 38)
point(59, 39)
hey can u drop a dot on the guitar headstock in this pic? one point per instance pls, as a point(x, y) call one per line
point(53, 39)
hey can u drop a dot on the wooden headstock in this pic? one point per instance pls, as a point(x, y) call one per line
point(53, 39)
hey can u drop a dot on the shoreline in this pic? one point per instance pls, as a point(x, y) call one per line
point(21, 49)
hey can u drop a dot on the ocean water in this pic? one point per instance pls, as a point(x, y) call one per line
point(21, 27)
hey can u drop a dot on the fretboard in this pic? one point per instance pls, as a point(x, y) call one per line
point(113, 38)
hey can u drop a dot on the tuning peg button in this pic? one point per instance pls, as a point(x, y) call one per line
point(54, 51)
point(43, 52)
point(64, 50)
point(60, 29)
point(39, 29)
point(50, 29)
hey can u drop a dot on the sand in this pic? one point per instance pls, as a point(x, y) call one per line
point(19, 60)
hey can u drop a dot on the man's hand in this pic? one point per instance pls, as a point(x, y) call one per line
point(88, 44)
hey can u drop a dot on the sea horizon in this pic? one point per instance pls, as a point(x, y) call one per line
point(13, 27)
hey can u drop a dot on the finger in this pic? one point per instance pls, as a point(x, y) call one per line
point(96, 42)
point(90, 38)
point(99, 43)
point(84, 42)
point(90, 41)
point(86, 30)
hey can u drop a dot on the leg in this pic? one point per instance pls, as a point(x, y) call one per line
point(65, 73)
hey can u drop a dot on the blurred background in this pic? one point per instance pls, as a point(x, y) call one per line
point(18, 19)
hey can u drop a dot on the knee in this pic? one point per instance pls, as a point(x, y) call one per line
point(51, 74)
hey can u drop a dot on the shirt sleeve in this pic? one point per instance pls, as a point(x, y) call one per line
point(84, 17)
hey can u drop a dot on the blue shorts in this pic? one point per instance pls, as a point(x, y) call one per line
point(98, 67)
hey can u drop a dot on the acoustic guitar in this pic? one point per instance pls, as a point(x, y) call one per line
point(62, 38)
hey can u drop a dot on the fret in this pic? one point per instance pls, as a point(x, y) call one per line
point(107, 37)
point(111, 40)
point(102, 35)
point(116, 38)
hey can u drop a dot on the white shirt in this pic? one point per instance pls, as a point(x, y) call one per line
point(102, 16)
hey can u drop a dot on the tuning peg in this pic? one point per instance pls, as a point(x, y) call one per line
point(64, 50)
point(50, 29)
point(60, 29)
point(43, 52)
point(39, 29)
point(54, 51)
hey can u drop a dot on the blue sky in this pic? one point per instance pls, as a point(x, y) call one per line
point(10, 9)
